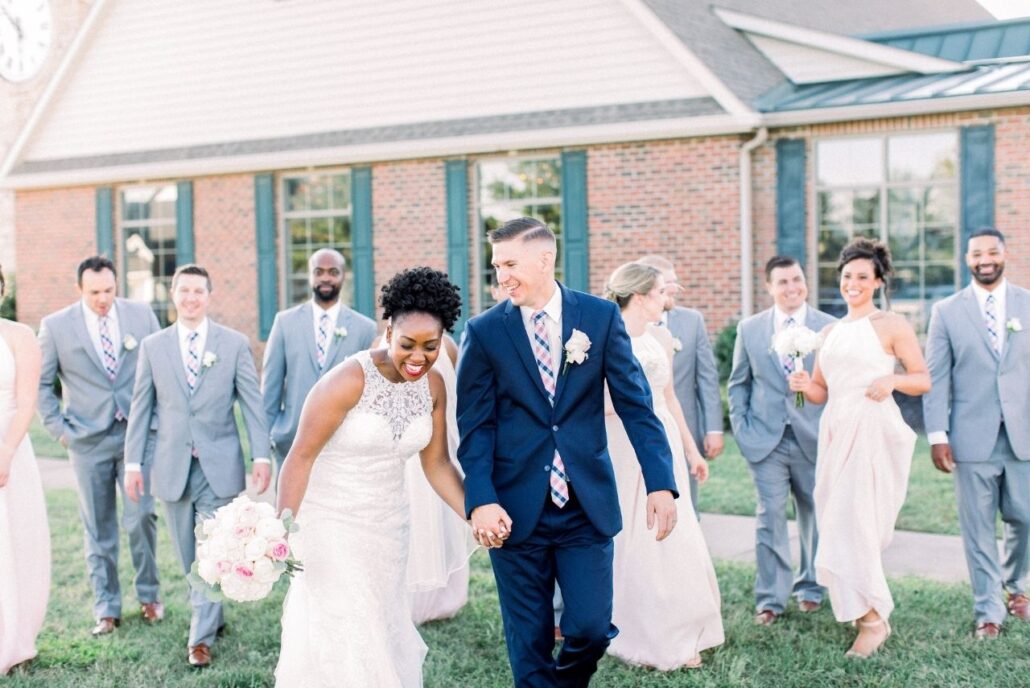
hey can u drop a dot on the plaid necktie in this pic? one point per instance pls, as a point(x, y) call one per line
point(788, 360)
point(110, 357)
point(544, 361)
point(991, 320)
point(192, 361)
point(323, 339)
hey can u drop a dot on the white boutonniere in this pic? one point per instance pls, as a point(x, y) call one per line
point(576, 349)
point(340, 332)
point(677, 345)
point(1013, 325)
point(209, 359)
point(129, 343)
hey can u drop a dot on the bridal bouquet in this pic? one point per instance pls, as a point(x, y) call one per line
point(796, 342)
point(242, 551)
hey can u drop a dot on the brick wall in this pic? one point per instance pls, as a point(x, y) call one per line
point(55, 231)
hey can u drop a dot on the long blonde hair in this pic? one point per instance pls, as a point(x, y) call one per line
point(629, 279)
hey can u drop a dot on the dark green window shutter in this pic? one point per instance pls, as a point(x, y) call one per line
point(184, 252)
point(105, 221)
point(790, 199)
point(456, 174)
point(361, 227)
point(576, 259)
point(977, 185)
point(267, 288)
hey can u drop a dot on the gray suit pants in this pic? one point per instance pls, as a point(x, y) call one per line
point(785, 472)
point(1002, 483)
point(197, 503)
point(100, 476)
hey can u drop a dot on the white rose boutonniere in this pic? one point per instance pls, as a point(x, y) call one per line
point(1013, 325)
point(576, 349)
point(677, 345)
point(129, 343)
point(209, 359)
point(340, 332)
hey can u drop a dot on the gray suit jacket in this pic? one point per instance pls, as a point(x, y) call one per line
point(92, 397)
point(290, 366)
point(204, 419)
point(974, 387)
point(695, 376)
point(761, 403)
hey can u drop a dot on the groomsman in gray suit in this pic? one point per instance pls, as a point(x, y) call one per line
point(305, 342)
point(189, 375)
point(91, 347)
point(695, 375)
point(976, 420)
point(779, 441)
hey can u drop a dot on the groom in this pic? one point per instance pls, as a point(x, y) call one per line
point(188, 377)
point(531, 418)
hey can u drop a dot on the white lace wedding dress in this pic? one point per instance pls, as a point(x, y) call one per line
point(346, 619)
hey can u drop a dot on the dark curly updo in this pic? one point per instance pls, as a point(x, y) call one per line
point(422, 290)
point(876, 252)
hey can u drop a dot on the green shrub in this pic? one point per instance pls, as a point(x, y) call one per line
point(724, 350)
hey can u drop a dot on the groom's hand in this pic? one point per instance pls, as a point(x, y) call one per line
point(261, 474)
point(661, 508)
point(133, 484)
point(491, 525)
point(942, 457)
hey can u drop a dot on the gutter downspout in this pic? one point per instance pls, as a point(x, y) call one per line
point(746, 223)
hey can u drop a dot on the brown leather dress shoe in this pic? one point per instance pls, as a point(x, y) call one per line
point(105, 625)
point(987, 631)
point(1019, 606)
point(766, 617)
point(152, 611)
point(200, 656)
point(809, 606)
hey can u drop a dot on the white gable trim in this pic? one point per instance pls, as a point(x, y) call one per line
point(694, 66)
point(851, 47)
point(86, 31)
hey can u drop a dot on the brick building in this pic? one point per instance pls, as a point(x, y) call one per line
point(244, 134)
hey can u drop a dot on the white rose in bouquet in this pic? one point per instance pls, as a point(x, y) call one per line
point(796, 342)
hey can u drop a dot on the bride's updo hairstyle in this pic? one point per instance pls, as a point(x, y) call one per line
point(877, 253)
point(422, 290)
point(630, 279)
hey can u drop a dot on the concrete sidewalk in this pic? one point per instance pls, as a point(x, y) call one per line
point(730, 538)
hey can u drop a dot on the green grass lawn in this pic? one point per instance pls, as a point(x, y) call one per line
point(932, 645)
point(930, 506)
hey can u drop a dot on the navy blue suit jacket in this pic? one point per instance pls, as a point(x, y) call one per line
point(509, 430)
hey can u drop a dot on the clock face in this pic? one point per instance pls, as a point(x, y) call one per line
point(26, 28)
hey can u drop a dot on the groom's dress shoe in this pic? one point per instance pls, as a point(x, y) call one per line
point(987, 631)
point(200, 656)
point(766, 617)
point(152, 611)
point(1019, 606)
point(809, 606)
point(105, 625)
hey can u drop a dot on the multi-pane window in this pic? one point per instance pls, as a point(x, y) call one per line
point(148, 231)
point(902, 189)
point(513, 188)
point(316, 213)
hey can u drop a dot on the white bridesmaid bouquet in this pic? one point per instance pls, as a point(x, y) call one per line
point(796, 342)
point(242, 551)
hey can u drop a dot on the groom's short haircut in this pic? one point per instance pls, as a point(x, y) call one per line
point(987, 231)
point(95, 264)
point(525, 228)
point(779, 262)
point(191, 269)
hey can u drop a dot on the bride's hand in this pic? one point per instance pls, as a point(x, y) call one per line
point(799, 381)
point(881, 388)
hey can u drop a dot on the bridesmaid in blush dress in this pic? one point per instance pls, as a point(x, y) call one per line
point(865, 448)
point(24, 533)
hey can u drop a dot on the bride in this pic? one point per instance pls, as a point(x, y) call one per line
point(346, 620)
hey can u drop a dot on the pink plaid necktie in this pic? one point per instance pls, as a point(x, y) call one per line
point(192, 361)
point(788, 360)
point(323, 339)
point(991, 320)
point(110, 357)
point(542, 354)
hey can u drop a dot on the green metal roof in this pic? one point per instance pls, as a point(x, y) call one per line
point(964, 43)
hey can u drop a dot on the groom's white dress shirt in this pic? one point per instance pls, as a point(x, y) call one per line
point(780, 318)
point(553, 322)
point(93, 327)
point(981, 294)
